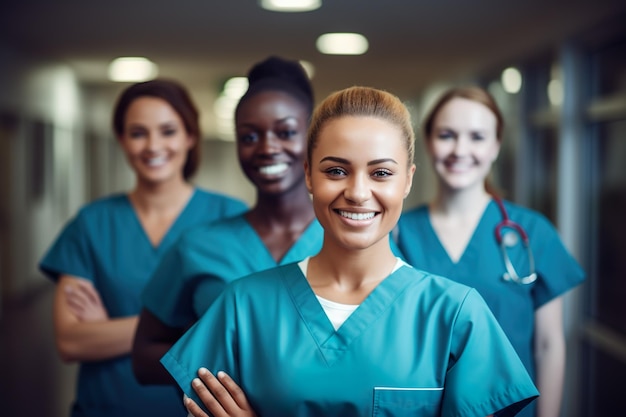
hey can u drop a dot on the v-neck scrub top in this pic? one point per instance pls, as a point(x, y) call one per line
point(418, 345)
point(106, 244)
point(196, 270)
point(481, 266)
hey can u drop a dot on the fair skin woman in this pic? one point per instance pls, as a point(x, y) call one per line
point(106, 253)
point(155, 143)
point(358, 172)
point(463, 145)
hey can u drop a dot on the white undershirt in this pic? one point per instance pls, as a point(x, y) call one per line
point(338, 313)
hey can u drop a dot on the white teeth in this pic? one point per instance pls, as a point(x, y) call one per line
point(157, 161)
point(273, 169)
point(357, 216)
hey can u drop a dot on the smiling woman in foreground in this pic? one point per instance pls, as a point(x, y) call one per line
point(354, 330)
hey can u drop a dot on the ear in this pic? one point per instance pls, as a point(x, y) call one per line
point(496, 151)
point(191, 141)
point(409, 180)
point(307, 177)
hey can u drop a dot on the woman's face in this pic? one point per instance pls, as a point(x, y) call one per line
point(463, 143)
point(358, 177)
point(155, 140)
point(271, 141)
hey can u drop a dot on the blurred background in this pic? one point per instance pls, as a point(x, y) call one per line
point(557, 69)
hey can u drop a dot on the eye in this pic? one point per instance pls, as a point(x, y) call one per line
point(445, 134)
point(477, 136)
point(247, 138)
point(286, 133)
point(135, 134)
point(335, 172)
point(169, 132)
point(382, 173)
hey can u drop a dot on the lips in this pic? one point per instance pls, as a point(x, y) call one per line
point(274, 169)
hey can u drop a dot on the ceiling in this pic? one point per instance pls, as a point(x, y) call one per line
point(412, 42)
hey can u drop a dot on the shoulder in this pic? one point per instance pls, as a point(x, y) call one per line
point(99, 211)
point(268, 281)
point(213, 198)
point(415, 213)
point(437, 286)
point(104, 205)
point(528, 218)
point(220, 233)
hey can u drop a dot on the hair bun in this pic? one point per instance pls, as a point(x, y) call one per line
point(275, 73)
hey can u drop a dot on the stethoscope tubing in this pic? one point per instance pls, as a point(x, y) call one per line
point(511, 274)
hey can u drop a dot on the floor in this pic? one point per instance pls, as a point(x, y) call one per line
point(34, 381)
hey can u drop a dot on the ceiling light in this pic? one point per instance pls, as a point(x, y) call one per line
point(308, 68)
point(235, 87)
point(290, 5)
point(511, 80)
point(555, 92)
point(132, 69)
point(342, 44)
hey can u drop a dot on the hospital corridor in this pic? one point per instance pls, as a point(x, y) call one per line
point(557, 71)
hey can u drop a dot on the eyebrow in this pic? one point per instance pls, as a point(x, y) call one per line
point(345, 161)
point(277, 121)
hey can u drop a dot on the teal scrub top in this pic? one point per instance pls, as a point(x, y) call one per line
point(418, 345)
point(106, 244)
point(482, 266)
point(195, 271)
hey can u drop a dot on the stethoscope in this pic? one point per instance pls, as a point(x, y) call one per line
point(511, 274)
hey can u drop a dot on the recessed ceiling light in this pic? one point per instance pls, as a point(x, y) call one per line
point(511, 80)
point(309, 68)
point(235, 87)
point(132, 69)
point(290, 5)
point(342, 44)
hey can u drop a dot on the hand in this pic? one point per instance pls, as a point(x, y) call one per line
point(221, 396)
point(84, 301)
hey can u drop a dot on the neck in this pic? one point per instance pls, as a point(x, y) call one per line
point(293, 208)
point(149, 197)
point(353, 268)
point(461, 203)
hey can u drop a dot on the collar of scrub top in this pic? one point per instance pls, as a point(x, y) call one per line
point(511, 274)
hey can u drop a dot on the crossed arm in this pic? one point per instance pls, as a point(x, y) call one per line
point(83, 329)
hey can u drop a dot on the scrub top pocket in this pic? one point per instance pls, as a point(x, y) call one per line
point(398, 402)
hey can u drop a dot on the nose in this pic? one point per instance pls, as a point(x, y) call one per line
point(461, 145)
point(153, 142)
point(269, 144)
point(357, 190)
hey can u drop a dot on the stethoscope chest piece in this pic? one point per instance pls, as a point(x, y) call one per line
point(509, 238)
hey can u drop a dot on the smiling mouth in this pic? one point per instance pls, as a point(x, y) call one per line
point(357, 216)
point(156, 161)
point(273, 169)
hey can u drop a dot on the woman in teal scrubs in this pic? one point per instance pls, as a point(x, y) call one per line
point(106, 253)
point(353, 330)
point(271, 120)
point(454, 236)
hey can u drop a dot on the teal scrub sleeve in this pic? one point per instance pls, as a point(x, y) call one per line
point(558, 271)
point(70, 253)
point(172, 292)
point(168, 293)
point(195, 349)
point(485, 374)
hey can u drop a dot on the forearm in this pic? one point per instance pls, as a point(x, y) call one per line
point(549, 358)
point(94, 341)
point(550, 365)
point(152, 340)
point(147, 363)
